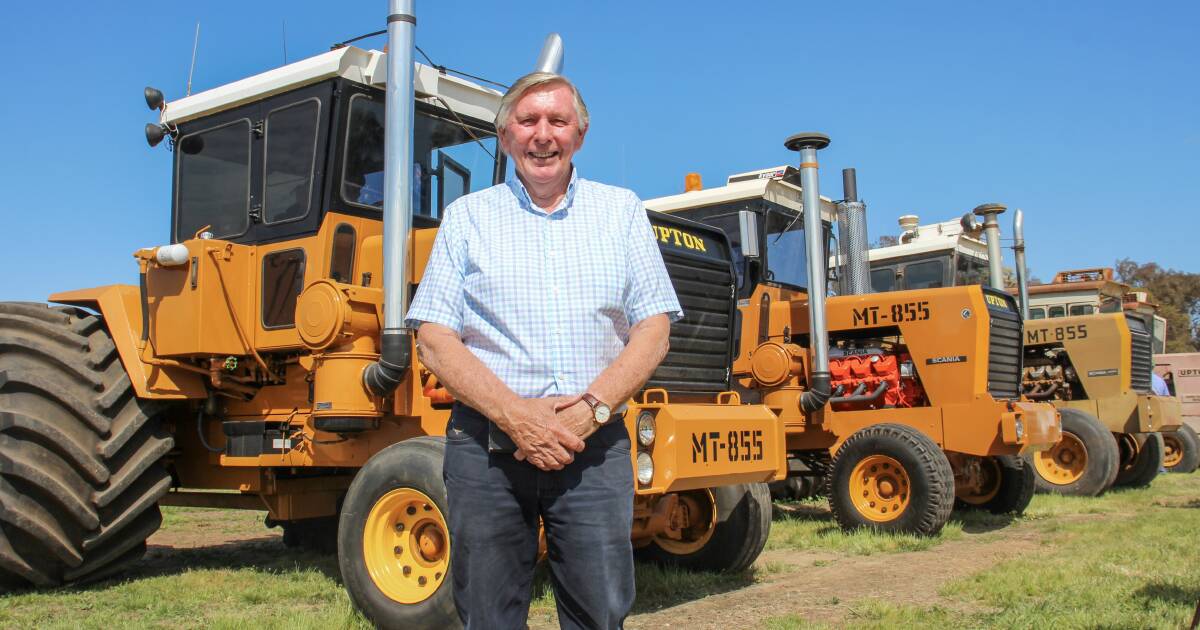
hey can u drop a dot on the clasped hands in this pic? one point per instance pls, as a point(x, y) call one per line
point(549, 431)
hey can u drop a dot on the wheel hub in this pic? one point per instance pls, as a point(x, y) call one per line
point(691, 523)
point(1172, 451)
point(405, 545)
point(1064, 463)
point(879, 488)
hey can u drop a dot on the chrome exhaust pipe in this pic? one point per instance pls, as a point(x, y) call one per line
point(551, 58)
point(852, 238)
point(1019, 256)
point(395, 343)
point(808, 143)
point(991, 227)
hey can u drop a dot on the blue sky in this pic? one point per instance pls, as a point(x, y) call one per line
point(1084, 113)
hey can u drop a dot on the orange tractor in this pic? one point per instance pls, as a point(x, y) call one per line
point(260, 361)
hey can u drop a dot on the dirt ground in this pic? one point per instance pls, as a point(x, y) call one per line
point(818, 585)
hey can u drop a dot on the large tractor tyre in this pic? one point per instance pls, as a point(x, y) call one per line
point(891, 478)
point(80, 455)
point(1008, 489)
point(1083, 463)
point(728, 528)
point(1181, 450)
point(1145, 465)
point(394, 539)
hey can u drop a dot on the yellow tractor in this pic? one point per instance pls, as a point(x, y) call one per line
point(1081, 351)
point(260, 361)
point(909, 400)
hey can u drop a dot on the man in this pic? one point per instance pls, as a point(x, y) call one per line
point(1158, 385)
point(545, 306)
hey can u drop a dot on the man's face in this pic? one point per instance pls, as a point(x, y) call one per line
point(542, 133)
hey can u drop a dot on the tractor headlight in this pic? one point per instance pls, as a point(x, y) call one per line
point(1020, 429)
point(645, 468)
point(645, 428)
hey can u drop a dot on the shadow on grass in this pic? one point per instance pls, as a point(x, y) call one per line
point(1169, 593)
point(806, 511)
point(979, 521)
point(266, 554)
point(661, 587)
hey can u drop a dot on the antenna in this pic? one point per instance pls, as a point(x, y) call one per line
point(195, 45)
point(284, 41)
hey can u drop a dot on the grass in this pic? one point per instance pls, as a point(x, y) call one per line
point(1124, 560)
point(1127, 559)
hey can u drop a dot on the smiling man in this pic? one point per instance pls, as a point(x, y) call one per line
point(545, 305)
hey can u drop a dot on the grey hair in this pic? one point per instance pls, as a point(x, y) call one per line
point(532, 80)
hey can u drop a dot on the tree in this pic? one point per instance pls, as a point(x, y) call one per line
point(885, 240)
point(1177, 294)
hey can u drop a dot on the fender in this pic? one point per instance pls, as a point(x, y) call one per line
point(122, 312)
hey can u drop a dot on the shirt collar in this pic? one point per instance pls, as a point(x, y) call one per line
point(518, 189)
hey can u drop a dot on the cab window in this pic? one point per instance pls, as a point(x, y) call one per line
point(1037, 313)
point(883, 280)
point(1057, 311)
point(1082, 309)
point(291, 148)
point(214, 181)
point(924, 275)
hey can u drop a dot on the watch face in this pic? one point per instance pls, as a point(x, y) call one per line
point(602, 413)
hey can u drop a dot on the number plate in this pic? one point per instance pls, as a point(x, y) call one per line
point(735, 445)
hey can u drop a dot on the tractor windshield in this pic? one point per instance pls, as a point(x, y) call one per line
point(786, 262)
point(970, 270)
point(451, 157)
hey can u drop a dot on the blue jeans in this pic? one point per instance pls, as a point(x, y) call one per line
point(495, 502)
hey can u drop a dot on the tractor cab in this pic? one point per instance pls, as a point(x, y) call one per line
point(271, 156)
point(761, 213)
point(946, 254)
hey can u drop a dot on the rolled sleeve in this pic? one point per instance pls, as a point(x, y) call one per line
point(648, 290)
point(439, 297)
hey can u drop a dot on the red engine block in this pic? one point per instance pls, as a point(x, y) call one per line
point(870, 369)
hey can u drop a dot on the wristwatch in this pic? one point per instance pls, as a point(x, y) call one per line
point(600, 411)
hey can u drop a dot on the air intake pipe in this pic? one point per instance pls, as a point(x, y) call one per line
point(852, 230)
point(1019, 256)
point(991, 227)
point(395, 343)
point(808, 143)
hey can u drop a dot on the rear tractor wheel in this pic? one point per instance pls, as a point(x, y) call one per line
point(1001, 485)
point(722, 529)
point(1181, 450)
point(1142, 459)
point(80, 456)
point(394, 539)
point(1083, 463)
point(891, 478)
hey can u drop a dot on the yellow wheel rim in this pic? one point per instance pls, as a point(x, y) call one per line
point(1064, 462)
point(987, 487)
point(699, 510)
point(406, 545)
point(1173, 450)
point(879, 488)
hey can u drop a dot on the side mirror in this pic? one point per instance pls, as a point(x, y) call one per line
point(748, 233)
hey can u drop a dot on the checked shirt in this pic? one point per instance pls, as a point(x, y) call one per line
point(545, 300)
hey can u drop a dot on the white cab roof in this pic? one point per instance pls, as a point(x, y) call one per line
point(368, 67)
point(771, 189)
point(935, 237)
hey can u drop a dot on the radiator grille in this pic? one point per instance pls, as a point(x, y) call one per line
point(1141, 355)
point(702, 342)
point(1004, 351)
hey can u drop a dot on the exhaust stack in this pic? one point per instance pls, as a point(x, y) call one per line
point(991, 227)
point(853, 243)
point(1019, 255)
point(382, 377)
point(551, 58)
point(808, 143)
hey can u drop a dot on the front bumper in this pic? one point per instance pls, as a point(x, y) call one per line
point(705, 445)
point(1031, 426)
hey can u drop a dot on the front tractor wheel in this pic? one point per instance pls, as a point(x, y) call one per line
point(394, 541)
point(1002, 484)
point(891, 478)
point(1143, 458)
point(1083, 463)
point(80, 455)
point(1181, 452)
point(723, 529)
